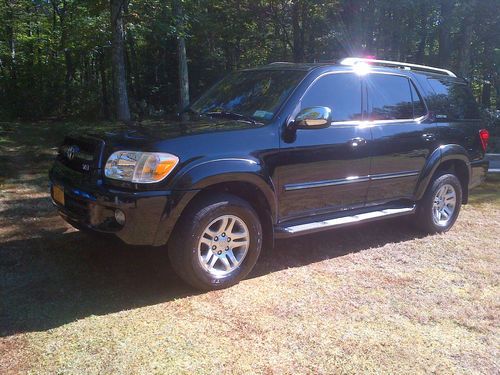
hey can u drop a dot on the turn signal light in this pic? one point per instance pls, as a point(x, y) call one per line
point(484, 135)
point(140, 167)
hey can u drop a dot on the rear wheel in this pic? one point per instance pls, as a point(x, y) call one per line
point(216, 242)
point(439, 208)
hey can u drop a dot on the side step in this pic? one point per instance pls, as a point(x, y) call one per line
point(312, 227)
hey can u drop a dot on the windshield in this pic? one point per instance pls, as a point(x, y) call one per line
point(257, 94)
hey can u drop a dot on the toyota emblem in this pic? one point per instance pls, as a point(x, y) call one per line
point(71, 151)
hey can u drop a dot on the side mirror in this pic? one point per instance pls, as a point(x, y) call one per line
point(313, 118)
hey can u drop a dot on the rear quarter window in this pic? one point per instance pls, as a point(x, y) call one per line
point(452, 99)
point(392, 97)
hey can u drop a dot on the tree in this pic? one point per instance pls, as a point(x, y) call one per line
point(62, 58)
point(445, 18)
point(118, 56)
point(180, 24)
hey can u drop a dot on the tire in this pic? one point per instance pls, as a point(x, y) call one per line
point(434, 212)
point(199, 238)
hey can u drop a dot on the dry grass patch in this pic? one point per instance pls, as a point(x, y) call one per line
point(377, 298)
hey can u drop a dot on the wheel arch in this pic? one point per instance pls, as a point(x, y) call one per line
point(243, 178)
point(448, 158)
point(251, 193)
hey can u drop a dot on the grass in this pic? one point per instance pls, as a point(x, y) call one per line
point(376, 298)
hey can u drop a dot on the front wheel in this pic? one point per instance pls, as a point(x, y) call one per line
point(439, 208)
point(216, 242)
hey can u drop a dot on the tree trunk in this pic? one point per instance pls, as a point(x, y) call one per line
point(68, 60)
point(422, 43)
point(444, 32)
point(11, 41)
point(181, 55)
point(488, 69)
point(104, 84)
point(135, 78)
point(122, 109)
point(307, 33)
point(395, 35)
point(68, 80)
point(298, 38)
point(406, 50)
point(11, 88)
point(370, 27)
point(465, 41)
point(60, 10)
point(355, 27)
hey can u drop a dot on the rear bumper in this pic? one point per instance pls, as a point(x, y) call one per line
point(150, 216)
point(479, 170)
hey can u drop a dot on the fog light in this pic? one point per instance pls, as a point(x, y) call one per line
point(120, 217)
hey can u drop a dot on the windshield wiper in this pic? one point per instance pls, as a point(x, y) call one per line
point(232, 115)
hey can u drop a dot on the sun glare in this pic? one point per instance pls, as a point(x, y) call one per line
point(361, 68)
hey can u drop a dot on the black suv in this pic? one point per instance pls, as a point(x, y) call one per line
point(279, 151)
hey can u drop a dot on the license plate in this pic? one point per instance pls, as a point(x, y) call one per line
point(58, 194)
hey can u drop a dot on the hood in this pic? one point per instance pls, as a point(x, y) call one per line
point(202, 138)
point(157, 131)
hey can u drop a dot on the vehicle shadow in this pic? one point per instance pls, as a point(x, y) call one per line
point(59, 277)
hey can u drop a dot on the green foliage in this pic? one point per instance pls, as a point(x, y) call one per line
point(55, 54)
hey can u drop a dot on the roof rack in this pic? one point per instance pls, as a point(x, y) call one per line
point(356, 60)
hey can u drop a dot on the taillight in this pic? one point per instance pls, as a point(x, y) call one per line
point(484, 135)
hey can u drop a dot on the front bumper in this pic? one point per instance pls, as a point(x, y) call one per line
point(150, 216)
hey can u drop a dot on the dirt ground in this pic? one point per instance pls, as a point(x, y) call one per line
point(376, 298)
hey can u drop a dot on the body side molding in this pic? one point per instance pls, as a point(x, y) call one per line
point(349, 180)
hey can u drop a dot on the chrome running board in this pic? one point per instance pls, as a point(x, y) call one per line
point(317, 226)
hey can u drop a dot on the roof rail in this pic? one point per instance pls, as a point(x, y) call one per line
point(356, 60)
point(281, 62)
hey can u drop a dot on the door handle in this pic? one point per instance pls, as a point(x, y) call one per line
point(429, 137)
point(355, 142)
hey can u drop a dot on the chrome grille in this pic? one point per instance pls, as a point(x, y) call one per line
point(81, 154)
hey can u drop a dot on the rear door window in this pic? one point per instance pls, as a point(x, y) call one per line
point(392, 97)
point(452, 100)
point(341, 92)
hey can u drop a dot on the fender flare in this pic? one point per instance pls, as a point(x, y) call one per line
point(188, 184)
point(435, 160)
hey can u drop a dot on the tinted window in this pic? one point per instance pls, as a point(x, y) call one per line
point(340, 92)
point(419, 109)
point(257, 93)
point(389, 97)
point(453, 99)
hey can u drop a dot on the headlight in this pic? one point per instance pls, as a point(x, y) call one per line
point(140, 167)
